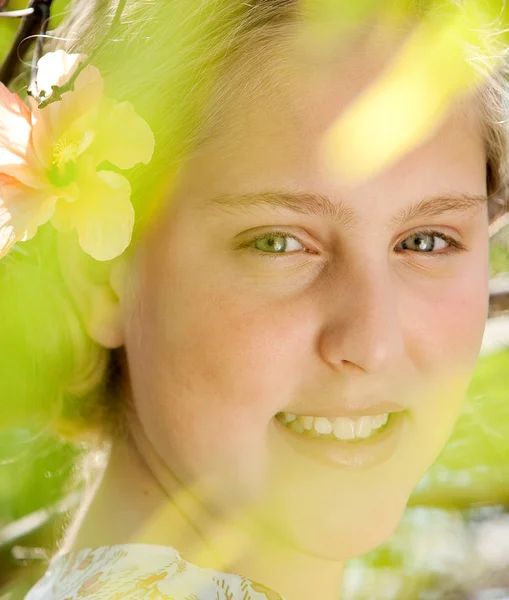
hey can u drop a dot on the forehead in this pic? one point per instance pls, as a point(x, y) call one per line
point(270, 131)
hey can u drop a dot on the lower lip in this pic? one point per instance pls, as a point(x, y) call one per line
point(355, 454)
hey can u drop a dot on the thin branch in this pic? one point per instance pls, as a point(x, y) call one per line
point(16, 14)
point(39, 45)
point(57, 91)
point(118, 13)
point(31, 25)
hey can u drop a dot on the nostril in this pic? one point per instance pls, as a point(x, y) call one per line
point(347, 364)
point(344, 366)
point(366, 342)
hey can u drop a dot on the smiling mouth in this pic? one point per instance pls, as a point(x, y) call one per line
point(339, 428)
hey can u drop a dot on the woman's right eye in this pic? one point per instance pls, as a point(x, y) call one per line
point(275, 242)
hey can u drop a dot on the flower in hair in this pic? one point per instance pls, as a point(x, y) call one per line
point(56, 157)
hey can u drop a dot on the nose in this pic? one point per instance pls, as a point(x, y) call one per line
point(363, 328)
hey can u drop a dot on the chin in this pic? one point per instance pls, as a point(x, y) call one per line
point(342, 536)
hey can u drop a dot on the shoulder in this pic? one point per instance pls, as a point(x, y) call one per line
point(138, 571)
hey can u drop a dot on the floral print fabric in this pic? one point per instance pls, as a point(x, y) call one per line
point(135, 572)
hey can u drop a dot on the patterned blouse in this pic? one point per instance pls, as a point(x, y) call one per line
point(139, 571)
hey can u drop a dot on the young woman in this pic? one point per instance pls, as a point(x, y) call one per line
point(291, 345)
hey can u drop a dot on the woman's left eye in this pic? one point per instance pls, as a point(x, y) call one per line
point(428, 241)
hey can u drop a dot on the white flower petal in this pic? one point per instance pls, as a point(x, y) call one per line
point(7, 232)
point(55, 68)
point(22, 211)
point(77, 108)
point(16, 159)
point(123, 137)
point(103, 214)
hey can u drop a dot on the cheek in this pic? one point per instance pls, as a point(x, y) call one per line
point(209, 375)
point(448, 317)
point(232, 356)
point(447, 331)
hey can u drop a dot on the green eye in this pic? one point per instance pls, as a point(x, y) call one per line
point(428, 241)
point(276, 243)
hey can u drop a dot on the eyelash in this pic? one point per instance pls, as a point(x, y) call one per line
point(271, 234)
point(453, 244)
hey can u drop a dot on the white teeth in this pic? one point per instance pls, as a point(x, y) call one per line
point(344, 429)
point(289, 417)
point(363, 427)
point(297, 426)
point(379, 420)
point(323, 425)
point(341, 428)
point(307, 422)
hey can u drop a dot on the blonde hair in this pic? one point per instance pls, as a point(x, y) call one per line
point(175, 60)
point(190, 46)
point(61, 379)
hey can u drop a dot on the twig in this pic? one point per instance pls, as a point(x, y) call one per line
point(57, 91)
point(38, 49)
point(35, 18)
point(16, 14)
point(499, 224)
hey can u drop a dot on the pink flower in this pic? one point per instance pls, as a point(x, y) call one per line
point(49, 158)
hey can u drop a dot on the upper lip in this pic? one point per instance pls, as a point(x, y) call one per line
point(359, 409)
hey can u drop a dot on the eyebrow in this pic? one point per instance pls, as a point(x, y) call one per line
point(312, 204)
point(307, 203)
point(438, 205)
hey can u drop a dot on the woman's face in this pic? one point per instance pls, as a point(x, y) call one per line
point(273, 287)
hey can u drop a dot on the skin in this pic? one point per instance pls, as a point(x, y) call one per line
point(219, 338)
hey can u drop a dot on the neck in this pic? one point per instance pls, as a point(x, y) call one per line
point(156, 509)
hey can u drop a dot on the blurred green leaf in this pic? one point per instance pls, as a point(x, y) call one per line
point(451, 49)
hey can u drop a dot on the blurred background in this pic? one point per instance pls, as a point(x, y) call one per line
point(453, 542)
